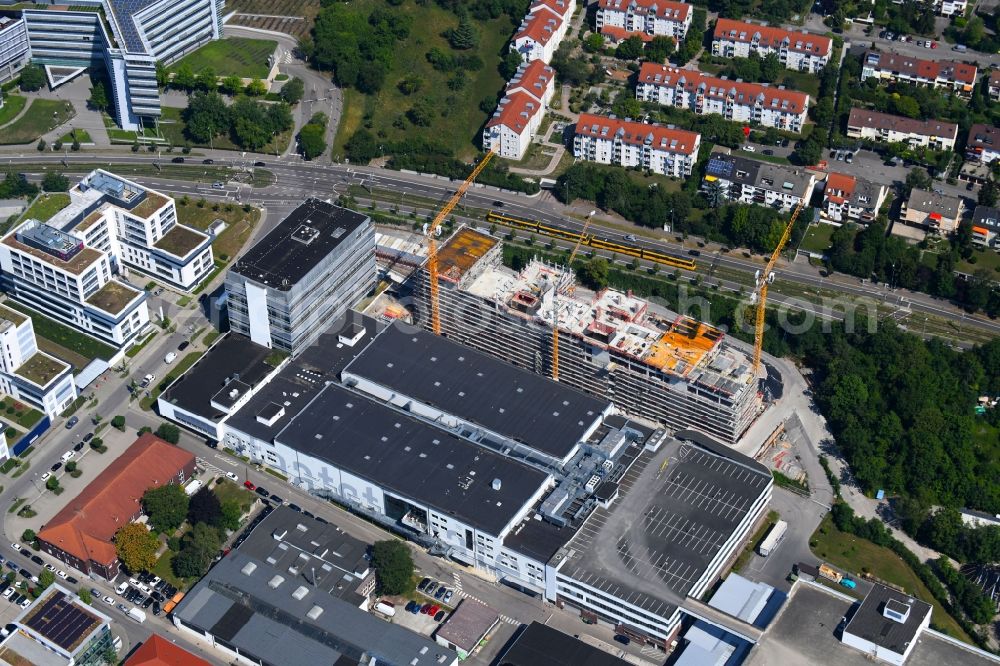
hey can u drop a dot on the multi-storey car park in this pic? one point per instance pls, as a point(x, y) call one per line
point(652, 363)
point(126, 37)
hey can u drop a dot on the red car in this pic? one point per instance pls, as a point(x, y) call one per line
point(433, 610)
point(249, 485)
point(425, 608)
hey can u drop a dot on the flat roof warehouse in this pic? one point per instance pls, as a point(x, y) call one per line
point(298, 244)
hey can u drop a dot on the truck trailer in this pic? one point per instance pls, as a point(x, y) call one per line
point(772, 539)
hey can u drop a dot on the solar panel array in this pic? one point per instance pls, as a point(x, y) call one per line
point(124, 10)
point(61, 621)
point(719, 167)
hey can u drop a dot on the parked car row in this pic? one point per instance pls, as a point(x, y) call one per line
point(433, 610)
point(437, 590)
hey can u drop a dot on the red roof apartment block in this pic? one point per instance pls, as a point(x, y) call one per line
point(81, 534)
point(839, 187)
point(561, 7)
point(540, 26)
point(693, 82)
point(535, 78)
point(768, 37)
point(158, 651)
point(636, 133)
point(515, 111)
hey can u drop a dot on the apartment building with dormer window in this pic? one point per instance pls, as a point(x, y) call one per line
point(801, 51)
point(609, 140)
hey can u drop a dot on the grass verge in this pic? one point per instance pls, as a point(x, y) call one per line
point(233, 56)
point(45, 206)
point(12, 105)
point(43, 115)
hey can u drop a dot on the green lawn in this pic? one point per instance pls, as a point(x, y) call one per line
point(172, 128)
point(246, 58)
point(856, 555)
point(43, 116)
point(163, 569)
point(458, 118)
point(84, 345)
point(12, 105)
point(81, 135)
point(239, 226)
point(19, 412)
point(988, 260)
point(45, 206)
point(227, 490)
point(817, 237)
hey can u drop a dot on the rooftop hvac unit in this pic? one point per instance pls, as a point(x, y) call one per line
point(496, 484)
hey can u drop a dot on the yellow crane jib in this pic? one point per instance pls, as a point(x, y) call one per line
point(555, 307)
point(432, 267)
point(763, 279)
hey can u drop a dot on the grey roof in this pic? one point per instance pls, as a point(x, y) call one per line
point(743, 171)
point(741, 598)
point(870, 624)
point(676, 510)
point(538, 539)
point(299, 242)
point(541, 644)
point(300, 380)
point(932, 202)
point(264, 620)
point(468, 624)
point(867, 189)
point(235, 356)
point(412, 458)
point(523, 406)
point(329, 558)
point(985, 216)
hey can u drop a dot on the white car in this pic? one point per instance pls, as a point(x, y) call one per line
point(45, 477)
point(121, 588)
point(169, 358)
point(50, 568)
point(25, 603)
point(750, 149)
point(66, 457)
point(155, 581)
point(145, 588)
point(34, 579)
point(15, 545)
point(232, 476)
point(109, 601)
point(133, 582)
point(62, 574)
point(8, 593)
point(147, 380)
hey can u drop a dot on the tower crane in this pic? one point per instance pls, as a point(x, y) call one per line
point(555, 306)
point(432, 265)
point(759, 295)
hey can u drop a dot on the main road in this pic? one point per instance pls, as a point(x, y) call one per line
point(296, 180)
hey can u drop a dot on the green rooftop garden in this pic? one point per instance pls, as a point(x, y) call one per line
point(41, 369)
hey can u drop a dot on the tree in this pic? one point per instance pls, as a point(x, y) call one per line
point(118, 422)
point(184, 77)
point(465, 36)
point(629, 49)
point(168, 432)
point(256, 88)
point(293, 90)
point(162, 74)
point(231, 514)
point(917, 179)
point(45, 579)
point(770, 68)
point(659, 48)
point(41, 145)
point(809, 151)
point(136, 547)
point(204, 507)
point(594, 273)
point(85, 596)
point(32, 78)
point(231, 85)
point(53, 181)
point(989, 193)
point(98, 97)
point(207, 79)
point(410, 84)
point(593, 43)
point(393, 566)
point(199, 547)
point(52, 483)
point(206, 116)
point(312, 140)
point(508, 66)
point(166, 506)
point(28, 536)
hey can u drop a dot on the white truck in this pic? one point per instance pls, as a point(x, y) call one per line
point(137, 615)
point(772, 539)
point(385, 608)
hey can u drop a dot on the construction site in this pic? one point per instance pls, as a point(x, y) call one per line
point(652, 363)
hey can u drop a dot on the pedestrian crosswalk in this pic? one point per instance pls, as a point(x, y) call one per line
point(503, 618)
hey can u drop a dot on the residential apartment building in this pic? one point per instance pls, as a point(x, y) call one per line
point(318, 262)
point(543, 29)
point(983, 144)
point(662, 150)
point(933, 212)
point(82, 533)
point(29, 374)
point(951, 7)
point(993, 86)
point(886, 128)
point(14, 52)
point(520, 111)
point(986, 227)
point(742, 180)
point(761, 104)
point(800, 51)
point(958, 77)
point(126, 39)
point(620, 19)
point(851, 199)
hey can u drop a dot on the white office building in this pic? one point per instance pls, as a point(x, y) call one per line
point(761, 104)
point(127, 38)
point(29, 374)
point(662, 150)
point(13, 47)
